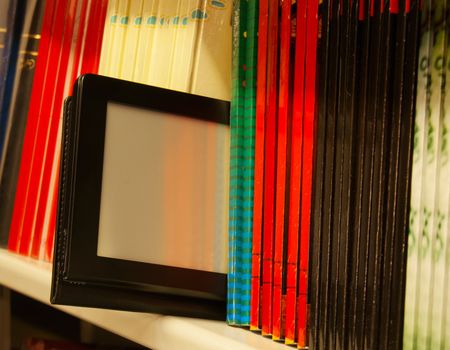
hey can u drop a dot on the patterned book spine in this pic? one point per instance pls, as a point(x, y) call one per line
point(437, 306)
point(430, 175)
point(445, 260)
point(236, 200)
point(247, 157)
point(416, 193)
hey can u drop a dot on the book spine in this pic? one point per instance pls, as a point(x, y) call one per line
point(131, 39)
point(111, 19)
point(442, 184)
point(212, 53)
point(163, 44)
point(31, 128)
point(307, 166)
point(429, 177)
point(9, 168)
point(183, 54)
point(445, 260)
point(146, 40)
point(281, 195)
point(258, 188)
point(248, 156)
point(9, 41)
point(92, 40)
point(270, 168)
point(295, 186)
point(120, 27)
point(5, 34)
point(236, 200)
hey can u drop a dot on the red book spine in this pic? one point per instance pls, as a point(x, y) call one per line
point(394, 6)
point(20, 202)
point(282, 144)
point(94, 36)
point(270, 168)
point(255, 320)
point(307, 170)
point(88, 63)
point(80, 42)
point(43, 131)
point(64, 65)
point(362, 10)
point(295, 185)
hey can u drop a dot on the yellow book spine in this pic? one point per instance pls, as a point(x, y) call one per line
point(120, 29)
point(131, 39)
point(164, 39)
point(212, 66)
point(108, 37)
point(185, 35)
point(145, 40)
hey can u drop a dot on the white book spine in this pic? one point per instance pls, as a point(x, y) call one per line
point(416, 194)
point(429, 195)
point(435, 328)
point(445, 337)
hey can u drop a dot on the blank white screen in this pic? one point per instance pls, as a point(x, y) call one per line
point(164, 189)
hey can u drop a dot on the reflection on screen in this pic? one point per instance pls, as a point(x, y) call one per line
point(164, 189)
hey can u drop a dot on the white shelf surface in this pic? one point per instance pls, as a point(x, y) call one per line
point(32, 278)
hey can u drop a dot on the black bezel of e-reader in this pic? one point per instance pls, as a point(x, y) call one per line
point(80, 276)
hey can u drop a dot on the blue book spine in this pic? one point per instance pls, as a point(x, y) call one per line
point(11, 21)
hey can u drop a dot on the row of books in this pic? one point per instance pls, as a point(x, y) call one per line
point(181, 45)
point(270, 180)
point(339, 183)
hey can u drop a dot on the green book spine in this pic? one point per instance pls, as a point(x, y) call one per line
point(236, 200)
point(247, 158)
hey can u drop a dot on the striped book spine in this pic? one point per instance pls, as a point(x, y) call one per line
point(247, 158)
point(236, 194)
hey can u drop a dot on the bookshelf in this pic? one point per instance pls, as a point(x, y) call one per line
point(32, 278)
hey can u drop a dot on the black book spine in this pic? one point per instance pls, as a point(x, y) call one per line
point(317, 239)
point(28, 54)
